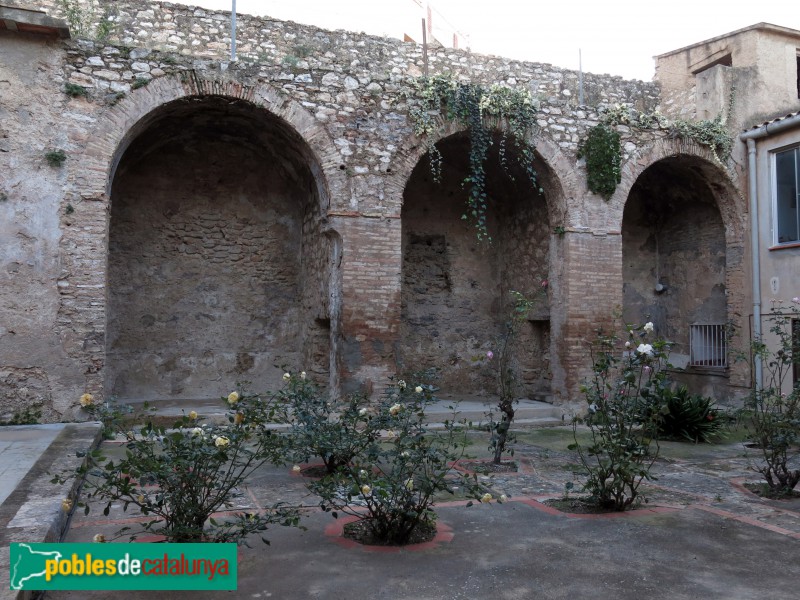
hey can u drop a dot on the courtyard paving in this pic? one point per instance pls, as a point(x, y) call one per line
point(700, 535)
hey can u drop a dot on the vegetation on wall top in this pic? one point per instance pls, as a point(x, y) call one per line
point(603, 152)
point(472, 105)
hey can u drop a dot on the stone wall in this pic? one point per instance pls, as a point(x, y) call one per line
point(302, 155)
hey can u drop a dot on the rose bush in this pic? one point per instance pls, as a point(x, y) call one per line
point(178, 477)
point(625, 403)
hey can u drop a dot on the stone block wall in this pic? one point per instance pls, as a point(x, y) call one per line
point(332, 159)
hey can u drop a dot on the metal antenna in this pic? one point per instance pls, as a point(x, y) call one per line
point(233, 31)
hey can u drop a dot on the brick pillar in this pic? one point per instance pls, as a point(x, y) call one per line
point(370, 299)
point(591, 297)
point(81, 319)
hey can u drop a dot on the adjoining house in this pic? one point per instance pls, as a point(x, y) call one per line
point(175, 222)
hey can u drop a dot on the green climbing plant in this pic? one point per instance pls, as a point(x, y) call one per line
point(473, 106)
point(603, 154)
point(602, 146)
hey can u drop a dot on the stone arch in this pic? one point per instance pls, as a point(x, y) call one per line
point(92, 176)
point(454, 291)
point(560, 177)
point(729, 200)
point(682, 222)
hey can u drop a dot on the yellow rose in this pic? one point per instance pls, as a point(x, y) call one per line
point(66, 505)
point(193, 415)
point(365, 489)
point(233, 398)
point(486, 498)
point(99, 538)
point(409, 484)
point(238, 419)
point(296, 469)
point(86, 400)
point(395, 409)
point(221, 441)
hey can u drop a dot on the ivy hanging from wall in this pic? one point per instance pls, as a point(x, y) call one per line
point(472, 105)
point(602, 147)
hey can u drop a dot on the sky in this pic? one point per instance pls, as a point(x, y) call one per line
point(618, 37)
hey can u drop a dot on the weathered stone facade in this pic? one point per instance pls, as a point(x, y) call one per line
point(214, 219)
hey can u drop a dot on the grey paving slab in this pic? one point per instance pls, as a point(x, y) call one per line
point(20, 448)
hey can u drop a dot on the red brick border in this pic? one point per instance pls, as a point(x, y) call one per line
point(335, 531)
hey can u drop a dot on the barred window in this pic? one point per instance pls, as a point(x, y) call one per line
point(708, 344)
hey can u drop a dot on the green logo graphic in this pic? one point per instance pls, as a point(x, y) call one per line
point(123, 567)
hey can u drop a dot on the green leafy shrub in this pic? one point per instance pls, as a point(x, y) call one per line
point(55, 158)
point(392, 482)
point(689, 417)
point(774, 424)
point(181, 476)
point(603, 154)
point(74, 90)
point(316, 423)
point(623, 414)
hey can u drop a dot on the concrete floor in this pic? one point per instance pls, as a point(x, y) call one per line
point(702, 535)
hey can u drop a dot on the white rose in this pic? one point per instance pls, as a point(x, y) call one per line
point(286, 376)
point(648, 327)
point(401, 384)
point(296, 469)
point(302, 374)
point(365, 489)
point(418, 389)
point(196, 431)
point(362, 412)
point(646, 349)
point(395, 409)
point(409, 484)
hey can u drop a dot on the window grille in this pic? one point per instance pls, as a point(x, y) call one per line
point(709, 346)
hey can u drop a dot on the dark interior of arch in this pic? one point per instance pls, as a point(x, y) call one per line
point(216, 270)
point(456, 290)
point(673, 234)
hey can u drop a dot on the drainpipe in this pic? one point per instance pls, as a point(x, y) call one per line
point(750, 138)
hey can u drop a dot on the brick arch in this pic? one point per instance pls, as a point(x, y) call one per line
point(725, 187)
point(92, 174)
point(82, 286)
point(559, 183)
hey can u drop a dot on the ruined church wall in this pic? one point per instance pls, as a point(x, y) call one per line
point(349, 87)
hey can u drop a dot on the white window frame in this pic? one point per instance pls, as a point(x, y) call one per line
point(774, 185)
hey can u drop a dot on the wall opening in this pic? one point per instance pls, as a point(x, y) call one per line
point(674, 260)
point(456, 292)
point(216, 268)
